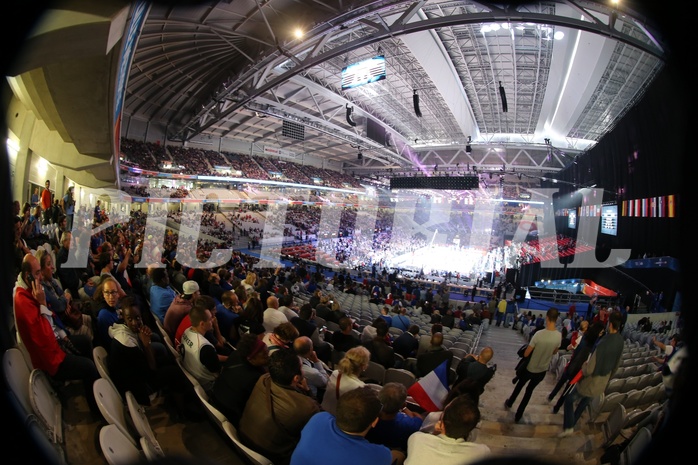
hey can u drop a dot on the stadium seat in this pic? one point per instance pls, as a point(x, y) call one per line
point(117, 447)
point(46, 405)
point(112, 408)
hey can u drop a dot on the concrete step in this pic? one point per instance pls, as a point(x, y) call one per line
point(536, 433)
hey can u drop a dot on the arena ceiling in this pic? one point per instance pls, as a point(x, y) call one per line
point(234, 69)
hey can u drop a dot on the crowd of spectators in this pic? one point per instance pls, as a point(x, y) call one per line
point(144, 155)
point(279, 350)
point(194, 161)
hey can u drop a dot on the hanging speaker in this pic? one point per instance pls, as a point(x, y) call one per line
point(415, 102)
point(503, 94)
point(350, 119)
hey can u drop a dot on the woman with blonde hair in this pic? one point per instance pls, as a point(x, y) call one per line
point(346, 377)
point(250, 281)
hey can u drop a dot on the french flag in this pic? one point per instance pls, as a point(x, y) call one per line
point(431, 390)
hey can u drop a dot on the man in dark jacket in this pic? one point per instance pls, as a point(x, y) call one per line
point(240, 373)
point(381, 352)
point(434, 356)
point(344, 339)
point(407, 343)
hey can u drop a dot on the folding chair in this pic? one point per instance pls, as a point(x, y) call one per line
point(17, 374)
point(255, 457)
point(632, 452)
point(615, 385)
point(398, 375)
point(216, 415)
point(112, 408)
point(43, 443)
point(117, 447)
point(613, 425)
point(100, 355)
point(375, 373)
point(142, 424)
point(46, 405)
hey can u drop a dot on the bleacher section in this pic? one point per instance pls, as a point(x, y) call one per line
point(195, 161)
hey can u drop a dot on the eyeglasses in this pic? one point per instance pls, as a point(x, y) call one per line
point(110, 292)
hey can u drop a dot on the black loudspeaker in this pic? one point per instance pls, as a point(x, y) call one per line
point(511, 275)
point(436, 182)
point(488, 277)
point(503, 95)
point(415, 102)
point(350, 120)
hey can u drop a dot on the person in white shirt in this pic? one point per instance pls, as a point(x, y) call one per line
point(273, 317)
point(449, 444)
point(346, 377)
point(199, 356)
point(286, 306)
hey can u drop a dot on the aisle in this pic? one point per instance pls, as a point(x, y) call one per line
point(497, 428)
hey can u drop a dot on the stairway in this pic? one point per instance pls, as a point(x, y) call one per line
point(537, 432)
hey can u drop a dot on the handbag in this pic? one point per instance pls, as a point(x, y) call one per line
point(523, 362)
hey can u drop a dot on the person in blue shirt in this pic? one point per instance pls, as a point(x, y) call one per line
point(344, 436)
point(226, 313)
point(401, 320)
point(386, 315)
point(396, 422)
point(161, 294)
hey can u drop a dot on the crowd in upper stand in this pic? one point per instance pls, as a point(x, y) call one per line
point(194, 161)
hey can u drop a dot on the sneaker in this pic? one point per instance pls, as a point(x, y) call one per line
point(517, 418)
point(507, 405)
point(566, 432)
point(548, 400)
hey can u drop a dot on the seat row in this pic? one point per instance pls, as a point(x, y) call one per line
point(602, 404)
point(626, 384)
point(128, 436)
point(632, 427)
point(36, 402)
point(216, 416)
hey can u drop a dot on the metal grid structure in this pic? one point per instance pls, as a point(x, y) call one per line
point(234, 70)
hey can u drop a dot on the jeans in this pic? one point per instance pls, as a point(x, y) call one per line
point(533, 379)
point(572, 415)
point(561, 382)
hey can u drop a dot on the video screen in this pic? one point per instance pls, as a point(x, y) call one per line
point(572, 218)
point(363, 72)
point(609, 219)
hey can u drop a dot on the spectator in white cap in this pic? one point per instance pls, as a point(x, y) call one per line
point(180, 307)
